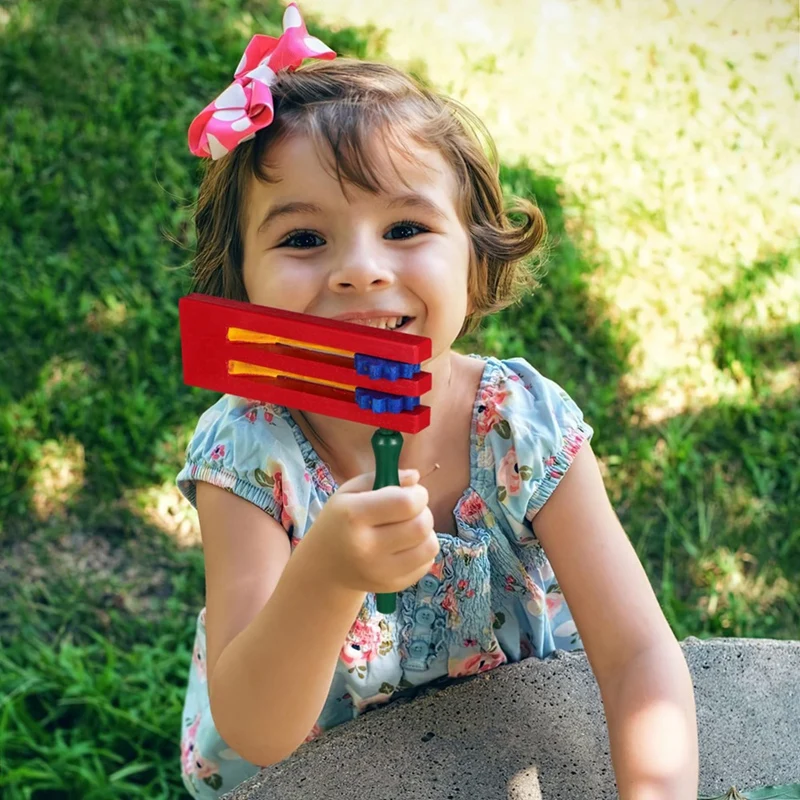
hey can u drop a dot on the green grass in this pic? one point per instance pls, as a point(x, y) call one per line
point(92, 664)
point(96, 182)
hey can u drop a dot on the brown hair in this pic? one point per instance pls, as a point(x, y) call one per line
point(343, 105)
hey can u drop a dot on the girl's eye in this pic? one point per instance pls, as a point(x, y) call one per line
point(302, 240)
point(405, 230)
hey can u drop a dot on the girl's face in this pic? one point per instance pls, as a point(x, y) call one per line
point(401, 256)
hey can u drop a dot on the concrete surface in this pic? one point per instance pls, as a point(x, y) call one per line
point(536, 731)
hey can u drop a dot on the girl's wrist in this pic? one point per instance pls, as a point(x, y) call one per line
point(320, 577)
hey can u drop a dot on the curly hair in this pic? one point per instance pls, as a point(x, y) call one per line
point(344, 105)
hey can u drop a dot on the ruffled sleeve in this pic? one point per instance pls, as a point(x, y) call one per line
point(530, 431)
point(249, 449)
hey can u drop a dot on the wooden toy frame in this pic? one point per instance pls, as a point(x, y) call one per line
point(208, 352)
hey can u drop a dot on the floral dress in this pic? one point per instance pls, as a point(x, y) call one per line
point(490, 598)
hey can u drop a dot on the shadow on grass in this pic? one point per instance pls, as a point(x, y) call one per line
point(749, 350)
point(726, 479)
point(96, 185)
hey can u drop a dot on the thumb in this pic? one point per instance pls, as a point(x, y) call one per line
point(365, 481)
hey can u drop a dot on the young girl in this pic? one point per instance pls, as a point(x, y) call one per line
point(345, 190)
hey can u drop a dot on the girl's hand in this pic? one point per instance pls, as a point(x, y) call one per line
point(379, 540)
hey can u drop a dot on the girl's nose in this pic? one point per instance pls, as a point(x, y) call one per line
point(361, 268)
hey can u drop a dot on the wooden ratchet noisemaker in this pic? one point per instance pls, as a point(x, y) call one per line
point(323, 366)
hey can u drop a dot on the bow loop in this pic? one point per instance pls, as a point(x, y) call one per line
point(246, 106)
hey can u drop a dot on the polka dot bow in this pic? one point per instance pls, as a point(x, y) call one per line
point(246, 106)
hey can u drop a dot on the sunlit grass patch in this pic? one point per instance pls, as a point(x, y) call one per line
point(57, 478)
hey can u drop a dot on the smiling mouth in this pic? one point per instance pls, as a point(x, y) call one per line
point(384, 323)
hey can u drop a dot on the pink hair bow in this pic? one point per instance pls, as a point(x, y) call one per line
point(246, 106)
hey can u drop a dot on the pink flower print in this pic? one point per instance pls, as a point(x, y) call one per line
point(535, 602)
point(487, 419)
point(361, 645)
point(277, 487)
point(282, 499)
point(192, 762)
point(552, 470)
point(508, 472)
point(315, 732)
point(554, 603)
point(199, 661)
point(473, 508)
point(188, 745)
point(463, 587)
point(450, 605)
point(574, 442)
point(218, 452)
point(322, 479)
point(268, 416)
point(495, 393)
point(449, 602)
point(470, 642)
point(251, 414)
point(477, 663)
point(437, 569)
point(510, 583)
point(491, 400)
point(205, 768)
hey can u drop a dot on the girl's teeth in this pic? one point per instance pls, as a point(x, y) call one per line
point(383, 322)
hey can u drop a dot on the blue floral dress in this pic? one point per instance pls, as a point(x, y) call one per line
point(490, 598)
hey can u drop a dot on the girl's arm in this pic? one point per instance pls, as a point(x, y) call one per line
point(275, 627)
point(639, 666)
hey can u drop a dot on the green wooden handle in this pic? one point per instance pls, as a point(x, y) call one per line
point(387, 446)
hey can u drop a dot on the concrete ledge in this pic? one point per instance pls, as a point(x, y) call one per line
point(536, 731)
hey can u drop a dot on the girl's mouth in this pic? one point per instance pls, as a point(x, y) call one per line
point(387, 323)
point(405, 322)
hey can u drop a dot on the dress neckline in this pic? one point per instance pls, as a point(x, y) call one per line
point(321, 474)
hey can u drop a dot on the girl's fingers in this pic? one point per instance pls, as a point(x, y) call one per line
point(365, 481)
